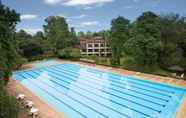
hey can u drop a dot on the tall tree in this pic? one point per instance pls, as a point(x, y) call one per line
point(57, 32)
point(172, 37)
point(39, 36)
point(73, 36)
point(119, 35)
point(80, 34)
point(145, 44)
point(8, 53)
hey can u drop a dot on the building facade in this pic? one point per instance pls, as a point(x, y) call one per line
point(94, 46)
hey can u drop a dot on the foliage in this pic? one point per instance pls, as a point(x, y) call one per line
point(9, 107)
point(148, 24)
point(69, 53)
point(31, 48)
point(145, 44)
point(57, 32)
point(73, 36)
point(103, 61)
point(172, 36)
point(8, 50)
point(119, 35)
point(145, 50)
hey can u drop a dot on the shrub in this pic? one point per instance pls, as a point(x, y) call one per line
point(103, 61)
point(20, 62)
point(69, 53)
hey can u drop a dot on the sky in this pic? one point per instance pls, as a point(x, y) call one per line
point(88, 15)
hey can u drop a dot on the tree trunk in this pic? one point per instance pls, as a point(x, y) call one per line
point(6, 79)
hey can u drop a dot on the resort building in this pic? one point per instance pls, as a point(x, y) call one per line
point(95, 46)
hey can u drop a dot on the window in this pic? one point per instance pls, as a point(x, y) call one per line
point(108, 50)
point(89, 50)
point(96, 50)
point(89, 45)
point(96, 45)
point(102, 45)
point(102, 50)
point(83, 50)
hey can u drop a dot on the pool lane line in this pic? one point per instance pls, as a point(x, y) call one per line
point(103, 115)
point(139, 92)
point(114, 90)
point(73, 79)
point(84, 97)
point(112, 74)
point(129, 78)
point(60, 79)
point(134, 96)
point(108, 107)
point(119, 83)
point(72, 73)
point(136, 86)
point(120, 86)
point(56, 98)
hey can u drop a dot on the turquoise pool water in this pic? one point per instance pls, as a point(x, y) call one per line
point(82, 92)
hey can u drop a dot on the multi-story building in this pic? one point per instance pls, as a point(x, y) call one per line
point(94, 46)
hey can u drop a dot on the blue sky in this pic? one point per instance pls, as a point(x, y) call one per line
point(92, 15)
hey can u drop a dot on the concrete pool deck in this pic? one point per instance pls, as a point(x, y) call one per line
point(47, 111)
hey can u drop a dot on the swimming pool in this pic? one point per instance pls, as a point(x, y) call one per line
point(82, 92)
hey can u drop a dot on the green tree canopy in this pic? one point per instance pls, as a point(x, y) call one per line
point(145, 44)
point(57, 32)
point(8, 53)
point(119, 35)
point(173, 32)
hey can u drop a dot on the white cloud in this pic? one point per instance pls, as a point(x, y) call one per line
point(78, 17)
point(28, 16)
point(85, 2)
point(77, 2)
point(85, 24)
point(31, 31)
point(69, 18)
point(89, 23)
point(53, 2)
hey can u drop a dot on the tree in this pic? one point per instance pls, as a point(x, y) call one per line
point(39, 36)
point(31, 49)
point(57, 32)
point(119, 35)
point(145, 44)
point(22, 38)
point(145, 50)
point(73, 36)
point(8, 52)
point(80, 34)
point(172, 37)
